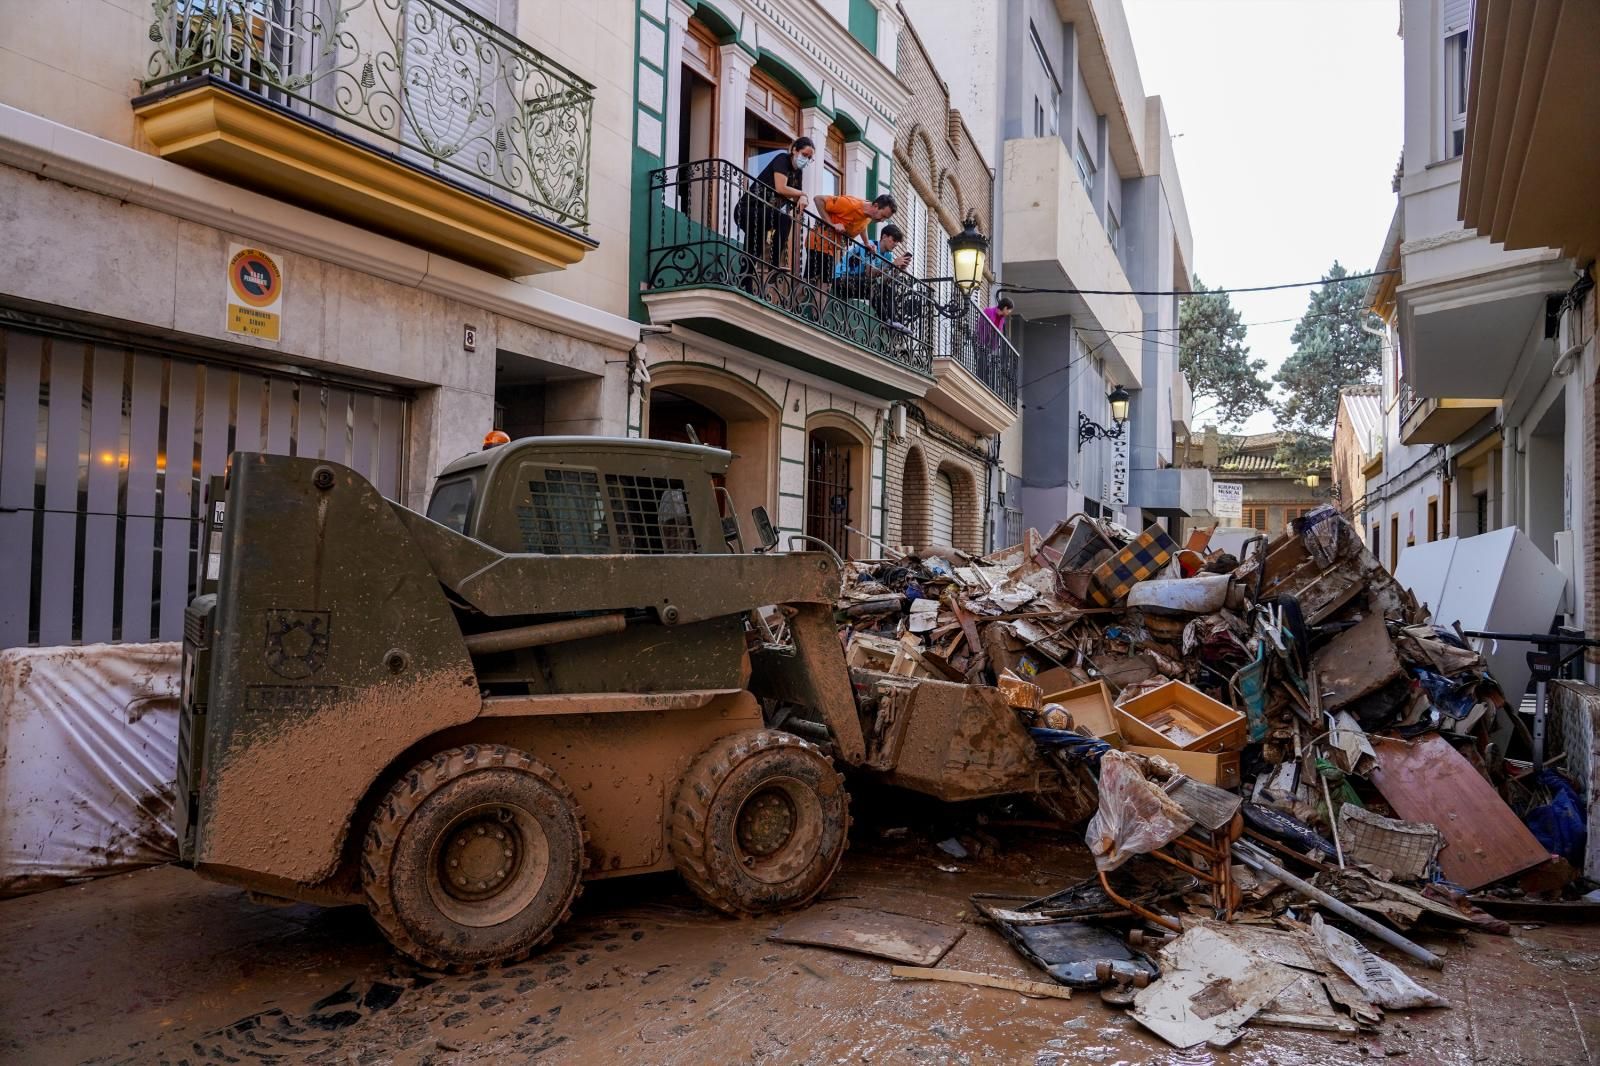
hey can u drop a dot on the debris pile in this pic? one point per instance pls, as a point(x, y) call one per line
point(1263, 737)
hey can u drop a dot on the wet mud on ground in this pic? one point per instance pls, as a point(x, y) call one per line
point(162, 967)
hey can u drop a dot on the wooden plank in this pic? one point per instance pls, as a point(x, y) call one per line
point(897, 937)
point(1427, 780)
point(982, 980)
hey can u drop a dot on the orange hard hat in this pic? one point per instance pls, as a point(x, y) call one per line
point(494, 437)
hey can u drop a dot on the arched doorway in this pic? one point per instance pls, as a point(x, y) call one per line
point(725, 411)
point(837, 482)
point(914, 499)
point(956, 489)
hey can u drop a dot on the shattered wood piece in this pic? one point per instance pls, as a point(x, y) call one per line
point(1358, 661)
point(1036, 989)
point(897, 937)
point(1208, 990)
point(1019, 693)
point(1352, 751)
point(968, 626)
point(1428, 781)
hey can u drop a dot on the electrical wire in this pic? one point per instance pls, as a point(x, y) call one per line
point(1039, 290)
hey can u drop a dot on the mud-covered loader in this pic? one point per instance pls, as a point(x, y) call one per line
point(457, 718)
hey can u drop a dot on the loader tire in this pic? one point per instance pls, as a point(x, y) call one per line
point(474, 857)
point(760, 823)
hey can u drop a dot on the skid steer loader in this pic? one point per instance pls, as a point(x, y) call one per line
point(556, 674)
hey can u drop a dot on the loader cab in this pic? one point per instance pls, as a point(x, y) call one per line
point(586, 496)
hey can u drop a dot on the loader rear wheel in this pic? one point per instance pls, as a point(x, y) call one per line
point(760, 823)
point(474, 857)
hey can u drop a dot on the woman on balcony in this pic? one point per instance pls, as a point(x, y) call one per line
point(774, 194)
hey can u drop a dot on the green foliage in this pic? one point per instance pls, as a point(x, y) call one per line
point(1300, 454)
point(1331, 351)
point(1215, 359)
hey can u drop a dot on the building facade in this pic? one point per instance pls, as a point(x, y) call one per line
point(1484, 388)
point(1091, 201)
point(234, 225)
point(1274, 494)
point(826, 398)
point(1357, 438)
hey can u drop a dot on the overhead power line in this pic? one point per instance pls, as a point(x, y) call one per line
point(1037, 290)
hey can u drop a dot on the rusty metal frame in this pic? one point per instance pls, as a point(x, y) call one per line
point(1218, 854)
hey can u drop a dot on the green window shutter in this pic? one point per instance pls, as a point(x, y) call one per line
point(864, 24)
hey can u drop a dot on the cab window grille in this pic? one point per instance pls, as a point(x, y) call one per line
point(565, 515)
point(651, 515)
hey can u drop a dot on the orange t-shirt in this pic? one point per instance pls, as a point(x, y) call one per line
point(849, 212)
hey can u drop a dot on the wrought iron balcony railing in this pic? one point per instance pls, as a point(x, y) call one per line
point(426, 81)
point(962, 332)
point(713, 225)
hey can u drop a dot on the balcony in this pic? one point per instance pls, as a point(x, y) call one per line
point(974, 366)
point(1055, 240)
point(414, 118)
point(725, 259)
point(1182, 404)
point(1171, 491)
point(1429, 420)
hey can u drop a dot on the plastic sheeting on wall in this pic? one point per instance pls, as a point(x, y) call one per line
point(88, 761)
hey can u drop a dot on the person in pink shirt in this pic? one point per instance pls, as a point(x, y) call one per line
point(995, 322)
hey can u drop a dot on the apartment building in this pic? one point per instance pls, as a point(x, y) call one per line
point(1485, 412)
point(1091, 201)
point(367, 231)
point(825, 397)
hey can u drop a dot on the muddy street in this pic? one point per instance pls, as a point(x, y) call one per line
point(162, 967)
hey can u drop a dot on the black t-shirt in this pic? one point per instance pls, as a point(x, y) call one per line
point(782, 163)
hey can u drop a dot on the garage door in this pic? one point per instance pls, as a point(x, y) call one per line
point(105, 450)
point(943, 516)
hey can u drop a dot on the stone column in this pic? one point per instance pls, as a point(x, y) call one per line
point(814, 123)
point(677, 29)
point(857, 161)
point(731, 93)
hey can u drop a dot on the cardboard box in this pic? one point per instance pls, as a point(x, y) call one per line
point(1090, 707)
point(1181, 717)
point(1220, 769)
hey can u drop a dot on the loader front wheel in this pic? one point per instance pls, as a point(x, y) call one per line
point(473, 857)
point(760, 823)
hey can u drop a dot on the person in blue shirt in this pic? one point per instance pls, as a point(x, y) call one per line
point(867, 273)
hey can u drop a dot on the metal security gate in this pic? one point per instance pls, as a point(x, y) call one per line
point(828, 492)
point(105, 450)
point(942, 513)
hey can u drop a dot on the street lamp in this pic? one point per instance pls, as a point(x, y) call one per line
point(1089, 429)
point(1312, 481)
point(969, 251)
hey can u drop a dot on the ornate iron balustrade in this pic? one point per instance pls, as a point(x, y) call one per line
point(426, 81)
point(966, 335)
point(713, 225)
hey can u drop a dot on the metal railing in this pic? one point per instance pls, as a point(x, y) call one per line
point(713, 225)
point(962, 332)
point(427, 81)
point(1409, 402)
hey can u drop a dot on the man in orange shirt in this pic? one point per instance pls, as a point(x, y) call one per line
point(845, 219)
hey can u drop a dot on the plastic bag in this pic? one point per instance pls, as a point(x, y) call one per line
point(1559, 824)
point(1135, 817)
point(1384, 983)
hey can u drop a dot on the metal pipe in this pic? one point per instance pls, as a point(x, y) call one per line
point(542, 633)
point(1258, 861)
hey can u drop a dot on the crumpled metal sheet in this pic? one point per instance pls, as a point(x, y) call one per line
point(89, 737)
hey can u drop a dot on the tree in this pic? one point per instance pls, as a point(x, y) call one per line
point(1215, 359)
point(1331, 351)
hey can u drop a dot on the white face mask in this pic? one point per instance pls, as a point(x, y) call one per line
point(800, 162)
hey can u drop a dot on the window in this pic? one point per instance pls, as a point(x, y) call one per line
point(1114, 230)
point(1433, 519)
point(1374, 545)
point(1456, 62)
point(1481, 499)
point(1444, 508)
point(563, 514)
point(651, 515)
point(1255, 518)
point(833, 163)
point(451, 503)
point(1047, 113)
point(1394, 542)
point(1085, 162)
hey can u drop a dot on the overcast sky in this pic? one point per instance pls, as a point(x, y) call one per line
point(1287, 119)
